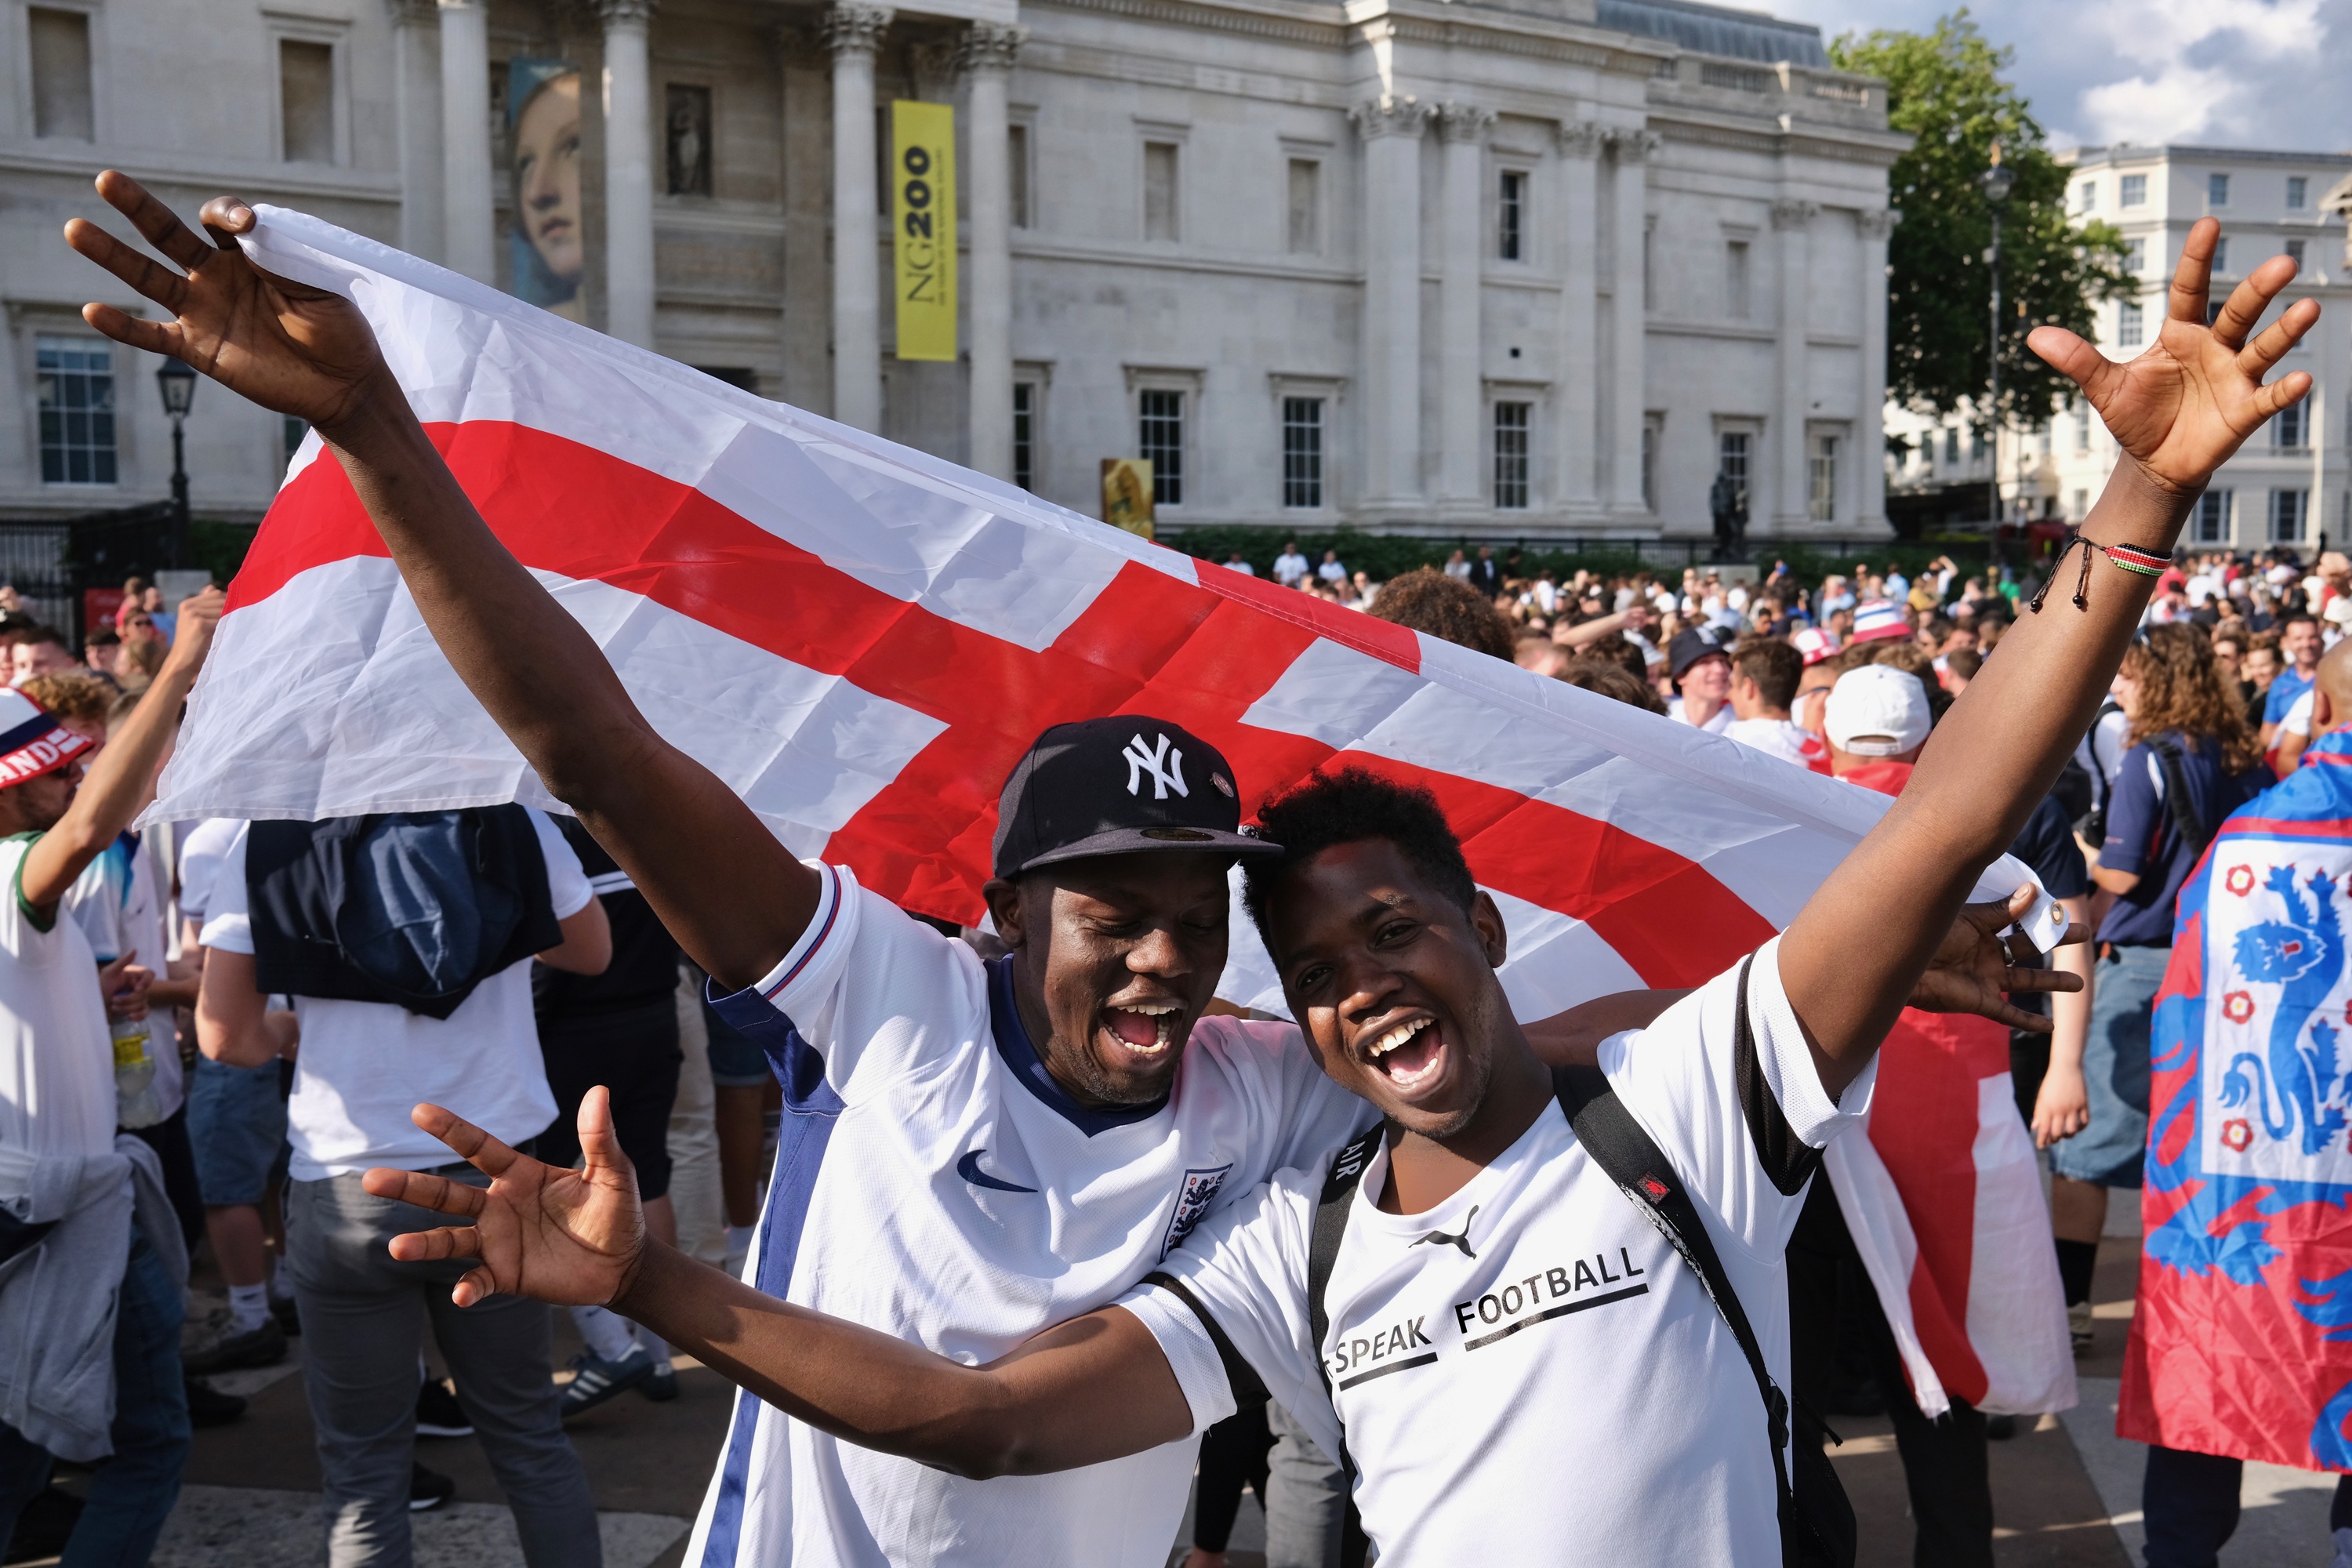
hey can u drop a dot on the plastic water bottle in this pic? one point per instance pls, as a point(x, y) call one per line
point(136, 1102)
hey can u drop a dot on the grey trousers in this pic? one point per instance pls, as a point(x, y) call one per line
point(362, 1322)
point(1305, 1498)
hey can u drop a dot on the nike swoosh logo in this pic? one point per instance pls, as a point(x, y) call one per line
point(968, 1169)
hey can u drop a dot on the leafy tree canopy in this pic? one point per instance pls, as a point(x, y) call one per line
point(1945, 89)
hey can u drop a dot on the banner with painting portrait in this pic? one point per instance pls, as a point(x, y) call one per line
point(549, 243)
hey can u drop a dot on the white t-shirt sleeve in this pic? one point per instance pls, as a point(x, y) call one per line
point(23, 935)
point(199, 860)
point(2297, 720)
point(228, 925)
point(876, 992)
point(1246, 1267)
point(97, 901)
point(567, 883)
point(1681, 1079)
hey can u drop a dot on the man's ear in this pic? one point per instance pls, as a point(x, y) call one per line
point(1006, 911)
point(2322, 713)
point(1494, 937)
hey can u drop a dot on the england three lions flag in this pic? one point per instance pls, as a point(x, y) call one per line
point(861, 639)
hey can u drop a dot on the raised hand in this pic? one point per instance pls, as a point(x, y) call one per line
point(1972, 972)
point(572, 1238)
point(2190, 399)
point(289, 347)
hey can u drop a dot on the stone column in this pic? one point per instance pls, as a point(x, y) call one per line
point(853, 32)
point(986, 55)
point(1579, 376)
point(1392, 128)
point(416, 85)
point(1789, 511)
point(1459, 390)
point(466, 228)
point(1870, 423)
point(1630, 317)
point(628, 172)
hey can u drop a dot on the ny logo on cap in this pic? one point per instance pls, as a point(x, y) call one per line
point(1164, 761)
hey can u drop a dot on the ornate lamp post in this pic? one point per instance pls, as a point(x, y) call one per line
point(178, 384)
point(1995, 182)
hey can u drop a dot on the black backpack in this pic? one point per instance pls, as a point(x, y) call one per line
point(414, 909)
point(1817, 1524)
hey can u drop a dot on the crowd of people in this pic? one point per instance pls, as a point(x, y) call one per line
point(1038, 1210)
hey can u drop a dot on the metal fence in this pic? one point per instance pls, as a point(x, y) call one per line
point(50, 561)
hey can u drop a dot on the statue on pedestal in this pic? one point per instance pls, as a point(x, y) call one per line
point(1728, 500)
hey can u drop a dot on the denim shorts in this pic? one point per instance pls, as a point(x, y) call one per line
point(735, 1061)
point(2113, 1150)
point(236, 1127)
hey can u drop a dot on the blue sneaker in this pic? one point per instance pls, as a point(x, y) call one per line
point(595, 1380)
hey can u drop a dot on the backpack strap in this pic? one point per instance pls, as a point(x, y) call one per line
point(2185, 820)
point(1339, 1188)
point(1633, 1158)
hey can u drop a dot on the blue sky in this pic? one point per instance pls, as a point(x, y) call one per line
point(2236, 73)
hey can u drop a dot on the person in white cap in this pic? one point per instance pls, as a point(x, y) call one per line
point(1876, 722)
point(88, 1200)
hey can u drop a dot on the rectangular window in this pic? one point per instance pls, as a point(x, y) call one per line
point(2213, 518)
point(685, 129)
point(1952, 444)
point(2082, 506)
point(2134, 254)
point(1304, 215)
point(2217, 190)
point(2081, 425)
point(2293, 252)
point(2288, 509)
point(62, 79)
point(1977, 445)
point(1731, 458)
point(2128, 325)
point(1159, 190)
point(1161, 443)
point(2086, 195)
point(2287, 426)
point(1821, 474)
point(2221, 255)
point(1652, 436)
point(1511, 456)
point(2133, 191)
point(77, 401)
point(2299, 192)
point(1302, 452)
point(1734, 280)
point(306, 101)
point(1017, 163)
point(1510, 201)
point(1024, 434)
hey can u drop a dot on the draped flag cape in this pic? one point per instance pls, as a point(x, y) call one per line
point(860, 639)
point(2242, 1342)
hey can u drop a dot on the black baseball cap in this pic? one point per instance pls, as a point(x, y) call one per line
point(1690, 646)
point(1121, 785)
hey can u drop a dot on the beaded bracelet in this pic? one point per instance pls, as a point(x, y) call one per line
point(2123, 556)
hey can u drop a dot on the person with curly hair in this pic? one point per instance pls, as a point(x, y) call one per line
point(2192, 760)
point(1429, 601)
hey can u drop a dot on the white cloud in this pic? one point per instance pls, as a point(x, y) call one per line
point(2251, 73)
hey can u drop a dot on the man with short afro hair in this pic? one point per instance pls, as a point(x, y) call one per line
point(1446, 607)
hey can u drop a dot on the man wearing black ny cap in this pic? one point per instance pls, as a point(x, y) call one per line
point(1699, 659)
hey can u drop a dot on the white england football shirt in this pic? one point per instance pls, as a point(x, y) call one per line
point(57, 1060)
point(1528, 1372)
point(118, 901)
point(932, 1180)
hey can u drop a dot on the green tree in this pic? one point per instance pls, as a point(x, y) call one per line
point(1945, 89)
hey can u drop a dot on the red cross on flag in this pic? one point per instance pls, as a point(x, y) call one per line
point(861, 638)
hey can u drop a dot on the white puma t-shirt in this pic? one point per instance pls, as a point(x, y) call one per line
point(1528, 1372)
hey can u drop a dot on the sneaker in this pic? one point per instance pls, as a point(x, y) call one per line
point(208, 1406)
point(2001, 1428)
point(2078, 1325)
point(428, 1488)
point(264, 1345)
point(43, 1528)
point(594, 1380)
point(662, 1386)
point(439, 1414)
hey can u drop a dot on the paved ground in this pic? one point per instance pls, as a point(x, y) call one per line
point(2066, 1492)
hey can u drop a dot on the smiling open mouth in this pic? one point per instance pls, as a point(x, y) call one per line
point(1144, 1028)
point(1409, 1054)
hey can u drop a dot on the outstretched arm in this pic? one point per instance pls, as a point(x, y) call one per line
point(2178, 411)
point(735, 897)
point(1091, 1389)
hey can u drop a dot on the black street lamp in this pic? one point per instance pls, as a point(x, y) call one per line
point(178, 384)
point(1996, 182)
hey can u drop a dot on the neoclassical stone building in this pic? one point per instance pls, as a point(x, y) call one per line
point(1509, 270)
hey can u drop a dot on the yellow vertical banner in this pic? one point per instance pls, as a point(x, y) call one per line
point(923, 226)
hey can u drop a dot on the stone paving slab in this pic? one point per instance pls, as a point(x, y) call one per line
point(251, 1527)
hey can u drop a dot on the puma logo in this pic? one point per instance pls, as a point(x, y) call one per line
point(1461, 1240)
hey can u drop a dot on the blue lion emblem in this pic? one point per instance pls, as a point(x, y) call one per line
point(2302, 1090)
